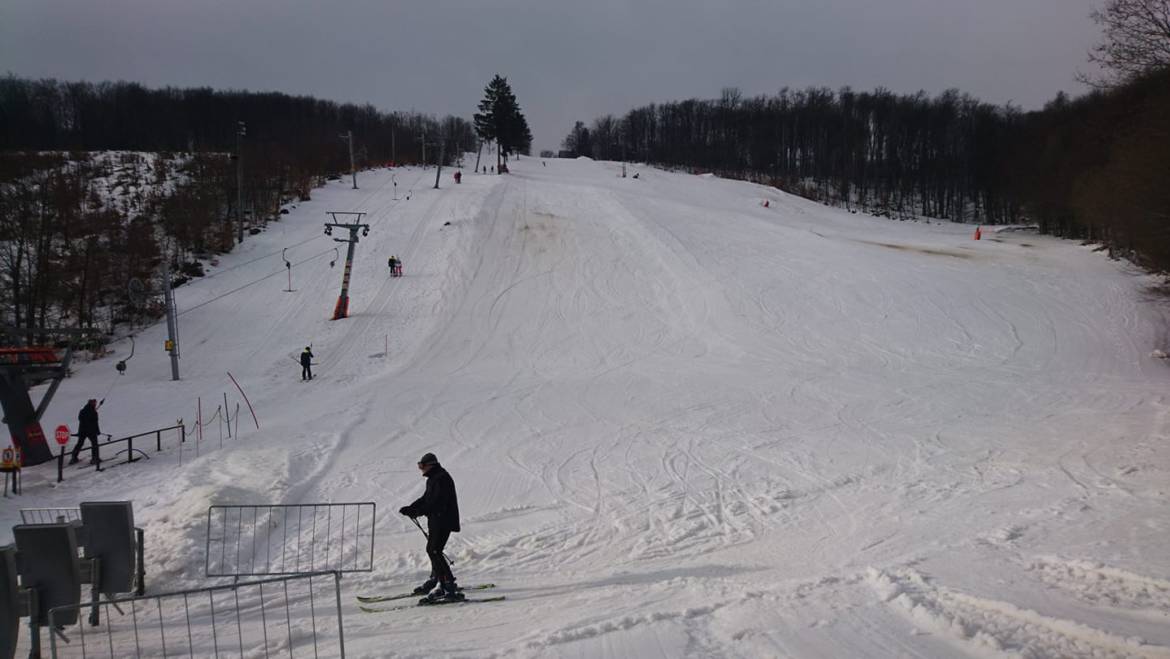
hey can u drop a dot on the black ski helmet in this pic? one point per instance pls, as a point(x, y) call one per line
point(428, 459)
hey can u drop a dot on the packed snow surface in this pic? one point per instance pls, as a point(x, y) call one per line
point(680, 423)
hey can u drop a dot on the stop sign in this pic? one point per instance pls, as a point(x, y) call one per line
point(62, 434)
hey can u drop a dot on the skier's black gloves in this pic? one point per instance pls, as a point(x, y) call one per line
point(405, 510)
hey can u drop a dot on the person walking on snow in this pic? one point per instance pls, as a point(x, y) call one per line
point(87, 428)
point(440, 505)
point(306, 364)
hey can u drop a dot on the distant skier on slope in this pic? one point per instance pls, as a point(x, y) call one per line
point(393, 263)
point(440, 505)
point(307, 364)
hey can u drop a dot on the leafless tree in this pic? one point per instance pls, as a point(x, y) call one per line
point(1136, 40)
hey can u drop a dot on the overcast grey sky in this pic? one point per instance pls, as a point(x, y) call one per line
point(566, 60)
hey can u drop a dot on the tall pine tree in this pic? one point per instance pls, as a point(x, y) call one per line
point(499, 119)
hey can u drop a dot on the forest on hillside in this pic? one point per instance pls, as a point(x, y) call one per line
point(100, 182)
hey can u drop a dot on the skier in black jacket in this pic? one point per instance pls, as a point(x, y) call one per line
point(87, 428)
point(440, 505)
point(307, 364)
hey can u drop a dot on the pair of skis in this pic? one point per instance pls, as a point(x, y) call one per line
point(369, 603)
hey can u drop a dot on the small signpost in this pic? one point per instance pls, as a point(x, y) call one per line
point(10, 464)
point(62, 436)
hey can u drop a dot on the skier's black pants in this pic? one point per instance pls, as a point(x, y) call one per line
point(81, 442)
point(306, 372)
point(436, 541)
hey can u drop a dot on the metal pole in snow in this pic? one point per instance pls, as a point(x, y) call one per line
point(172, 318)
point(254, 419)
point(241, 131)
point(341, 309)
point(439, 162)
point(352, 170)
point(198, 424)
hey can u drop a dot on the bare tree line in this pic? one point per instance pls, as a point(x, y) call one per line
point(895, 155)
point(68, 252)
point(1095, 168)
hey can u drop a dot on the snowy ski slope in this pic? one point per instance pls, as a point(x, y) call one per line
point(681, 424)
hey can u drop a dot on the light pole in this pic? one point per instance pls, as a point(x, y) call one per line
point(172, 343)
point(241, 131)
point(352, 171)
point(439, 162)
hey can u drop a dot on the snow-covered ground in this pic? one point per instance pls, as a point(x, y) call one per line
point(127, 182)
point(681, 424)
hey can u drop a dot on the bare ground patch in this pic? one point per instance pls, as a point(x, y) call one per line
point(933, 251)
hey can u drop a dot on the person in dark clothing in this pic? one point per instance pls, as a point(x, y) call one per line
point(440, 505)
point(306, 364)
point(87, 428)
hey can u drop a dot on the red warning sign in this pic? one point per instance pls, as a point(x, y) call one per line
point(62, 434)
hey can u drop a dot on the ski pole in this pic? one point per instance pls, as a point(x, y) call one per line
point(420, 528)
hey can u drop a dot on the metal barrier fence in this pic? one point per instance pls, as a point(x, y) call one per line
point(258, 540)
point(157, 432)
point(49, 515)
point(132, 454)
point(269, 618)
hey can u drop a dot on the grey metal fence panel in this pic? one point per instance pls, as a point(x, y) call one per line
point(49, 515)
point(258, 540)
point(10, 608)
point(110, 536)
point(48, 564)
point(278, 617)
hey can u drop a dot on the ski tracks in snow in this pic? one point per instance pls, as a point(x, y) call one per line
point(996, 627)
point(684, 425)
